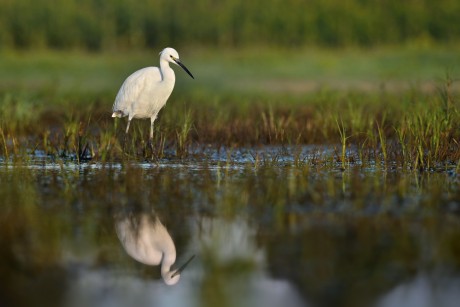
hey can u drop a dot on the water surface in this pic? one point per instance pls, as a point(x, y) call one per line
point(266, 231)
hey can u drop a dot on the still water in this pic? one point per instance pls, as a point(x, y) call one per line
point(268, 234)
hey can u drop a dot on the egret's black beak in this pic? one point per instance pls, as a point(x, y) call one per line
point(183, 67)
point(179, 270)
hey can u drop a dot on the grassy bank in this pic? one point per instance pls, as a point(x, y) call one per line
point(251, 70)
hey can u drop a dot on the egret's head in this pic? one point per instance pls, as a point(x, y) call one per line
point(172, 277)
point(170, 55)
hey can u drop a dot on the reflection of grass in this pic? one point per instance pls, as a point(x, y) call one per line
point(239, 98)
point(317, 227)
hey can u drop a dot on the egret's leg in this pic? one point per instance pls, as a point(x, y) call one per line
point(125, 139)
point(152, 120)
point(127, 127)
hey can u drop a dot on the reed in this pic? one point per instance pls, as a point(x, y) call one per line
point(234, 23)
point(343, 141)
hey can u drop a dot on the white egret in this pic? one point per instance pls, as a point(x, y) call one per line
point(149, 242)
point(146, 91)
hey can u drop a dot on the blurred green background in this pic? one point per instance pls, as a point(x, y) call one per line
point(289, 47)
point(291, 66)
point(107, 25)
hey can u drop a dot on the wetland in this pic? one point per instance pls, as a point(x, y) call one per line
point(312, 189)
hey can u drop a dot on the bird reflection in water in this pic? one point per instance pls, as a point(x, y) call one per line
point(147, 240)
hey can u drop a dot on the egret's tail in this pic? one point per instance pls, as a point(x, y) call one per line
point(117, 114)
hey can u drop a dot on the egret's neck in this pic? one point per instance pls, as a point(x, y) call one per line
point(167, 73)
point(166, 273)
point(166, 263)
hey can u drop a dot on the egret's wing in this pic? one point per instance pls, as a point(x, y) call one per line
point(132, 88)
point(161, 239)
point(129, 239)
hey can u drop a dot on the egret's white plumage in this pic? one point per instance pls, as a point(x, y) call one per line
point(149, 242)
point(146, 91)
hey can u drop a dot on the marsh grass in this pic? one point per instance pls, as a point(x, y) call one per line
point(418, 134)
point(182, 134)
point(412, 128)
point(382, 139)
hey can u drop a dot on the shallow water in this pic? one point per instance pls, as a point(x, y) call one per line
point(268, 234)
